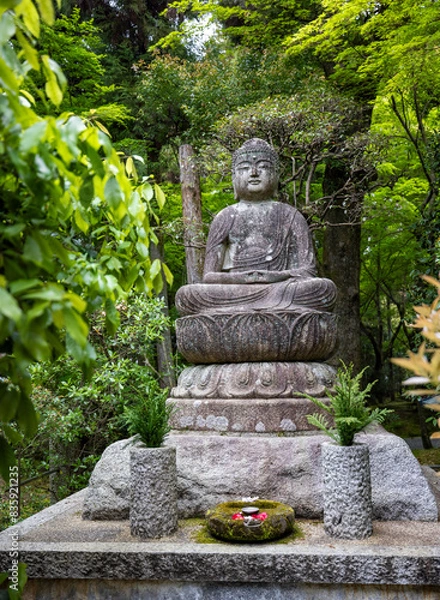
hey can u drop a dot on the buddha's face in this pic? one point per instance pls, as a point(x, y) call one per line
point(255, 177)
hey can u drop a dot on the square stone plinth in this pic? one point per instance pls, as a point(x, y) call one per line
point(68, 557)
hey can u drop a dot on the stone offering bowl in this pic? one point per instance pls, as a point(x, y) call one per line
point(273, 520)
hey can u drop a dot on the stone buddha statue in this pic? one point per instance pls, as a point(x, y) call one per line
point(259, 254)
point(259, 325)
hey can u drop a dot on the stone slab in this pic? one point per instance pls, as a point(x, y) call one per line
point(61, 546)
point(214, 468)
point(253, 415)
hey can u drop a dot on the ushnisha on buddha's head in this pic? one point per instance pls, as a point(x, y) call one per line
point(255, 171)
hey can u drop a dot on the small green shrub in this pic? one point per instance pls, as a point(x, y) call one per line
point(348, 408)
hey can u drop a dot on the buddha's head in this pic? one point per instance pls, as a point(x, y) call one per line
point(255, 171)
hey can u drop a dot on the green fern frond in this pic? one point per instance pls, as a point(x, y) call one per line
point(348, 407)
point(319, 421)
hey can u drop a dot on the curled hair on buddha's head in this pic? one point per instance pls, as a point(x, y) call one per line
point(256, 147)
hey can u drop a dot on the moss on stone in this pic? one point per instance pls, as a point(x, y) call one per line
point(279, 522)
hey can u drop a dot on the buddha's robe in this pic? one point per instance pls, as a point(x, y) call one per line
point(260, 256)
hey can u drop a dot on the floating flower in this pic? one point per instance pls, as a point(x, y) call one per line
point(261, 516)
point(237, 517)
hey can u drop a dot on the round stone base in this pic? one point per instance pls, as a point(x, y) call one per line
point(227, 521)
point(256, 336)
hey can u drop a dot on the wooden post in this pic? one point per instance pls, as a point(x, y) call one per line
point(192, 214)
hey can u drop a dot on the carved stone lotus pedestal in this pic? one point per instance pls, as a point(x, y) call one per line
point(301, 335)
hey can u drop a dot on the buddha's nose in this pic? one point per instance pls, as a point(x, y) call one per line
point(254, 171)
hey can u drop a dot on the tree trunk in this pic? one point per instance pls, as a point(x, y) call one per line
point(192, 214)
point(164, 348)
point(342, 243)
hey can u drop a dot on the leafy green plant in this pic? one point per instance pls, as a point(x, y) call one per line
point(347, 408)
point(148, 418)
point(75, 225)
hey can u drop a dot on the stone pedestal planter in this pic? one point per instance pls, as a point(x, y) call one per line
point(153, 482)
point(347, 491)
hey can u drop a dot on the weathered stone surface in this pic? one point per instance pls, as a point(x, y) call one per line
point(153, 483)
point(151, 590)
point(253, 415)
point(256, 336)
point(108, 494)
point(348, 510)
point(212, 468)
point(71, 558)
point(255, 380)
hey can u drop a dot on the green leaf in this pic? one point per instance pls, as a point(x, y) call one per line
point(76, 327)
point(30, 54)
point(80, 221)
point(146, 191)
point(155, 269)
point(112, 317)
point(9, 306)
point(26, 416)
point(7, 77)
point(7, 458)
point(32, 252)
point(46, 11)
point(30, 16)
point(53, 91)
point(22, 575)
point(168, 275)
point(160, 196)
point(8, 4)
point(7, 27)
point(19, 286)
point(13, 436)
point(9, 401)
point(143, 250)
point(51, 292)
point(32, 136)
point(113, 192)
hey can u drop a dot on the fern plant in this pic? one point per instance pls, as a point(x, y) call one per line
point(148, 419)
point(348, 407)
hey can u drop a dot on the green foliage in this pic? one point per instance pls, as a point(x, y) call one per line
point(309, 133)
point(347, 408)
point(147, 419)
point(15, 587)
point(74, 230)
point(258, 24)
point(80, 418)
point(180, 101)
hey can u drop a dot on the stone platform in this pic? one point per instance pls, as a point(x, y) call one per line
point(72, 559)
point(213, 467)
